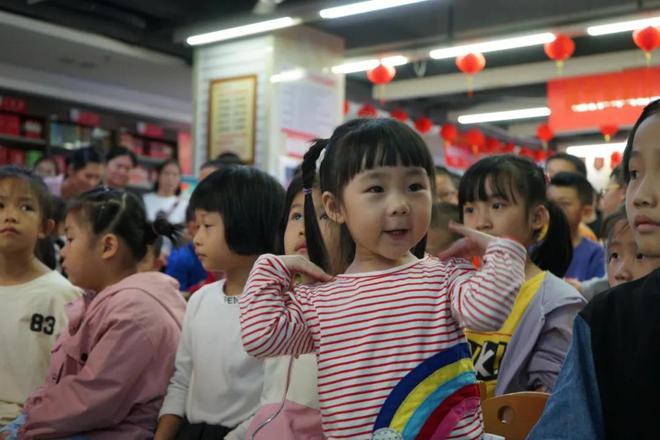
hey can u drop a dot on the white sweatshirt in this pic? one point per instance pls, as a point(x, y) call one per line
point(215, 381)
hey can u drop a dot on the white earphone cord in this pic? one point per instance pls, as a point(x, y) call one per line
point(279, 410)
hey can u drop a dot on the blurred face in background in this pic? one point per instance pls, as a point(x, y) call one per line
point(118, 171)
point(169, 180)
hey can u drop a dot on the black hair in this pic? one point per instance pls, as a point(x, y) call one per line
point(650, 110)
point(117, 151)
point(47, 158)
point(578, 163)
point(617, 176)
point(36, 185)
point(110, 211)
point(442, 213)
point(228, 158)
point(295, 187)
point(83, 156)
point(159, 170)
point(611, 221)
point(356, 146)
point(59, 209)
point(580, 183)
point(190, 214)
point(211, 163)
point(251, 203)
point(508, 176)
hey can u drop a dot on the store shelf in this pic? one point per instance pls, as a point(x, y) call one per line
point(21, 142)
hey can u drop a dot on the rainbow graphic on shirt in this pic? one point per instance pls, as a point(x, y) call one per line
point(431, 399)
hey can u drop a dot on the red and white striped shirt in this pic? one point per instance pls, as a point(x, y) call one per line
point(371, 330)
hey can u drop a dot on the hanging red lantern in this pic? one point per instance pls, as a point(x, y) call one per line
point(367, 111)
point(560, 49)
point(381, 74)
point(647, 39)
point(540, 155)
point(471, 64)
point(423, 124)
point(615, 159)
point(492, 146)
point(476, 139)
point(608, 131)
point(545, 133)
point(347, 107)
point(399, 115)
point(527, 152)
point(449, 132)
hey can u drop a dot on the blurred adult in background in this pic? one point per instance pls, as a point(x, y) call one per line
point(222, 160)
point(46, 167)
point(166, 199)
point(120, 162)
point(84, 171)
point(446, 186)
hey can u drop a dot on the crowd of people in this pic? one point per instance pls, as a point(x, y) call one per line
point(374, 298)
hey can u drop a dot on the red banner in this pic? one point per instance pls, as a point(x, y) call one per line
point(585, 103)
point(10, 104)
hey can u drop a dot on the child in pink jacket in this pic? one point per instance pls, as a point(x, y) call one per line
point(109, 369)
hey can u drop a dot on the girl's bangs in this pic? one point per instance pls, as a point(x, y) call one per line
point(483, 181)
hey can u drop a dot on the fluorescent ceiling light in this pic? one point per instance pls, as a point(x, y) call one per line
point(493, 45)
point(623, 26)
point(363, 7)
point(241, 31)
point(364, 65)
point(591, 149)
point(288, 76)
point(523, 113)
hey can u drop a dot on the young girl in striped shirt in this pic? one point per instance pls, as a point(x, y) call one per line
point(393, 362)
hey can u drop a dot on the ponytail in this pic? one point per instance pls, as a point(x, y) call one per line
point(554, 251)
point(161, 227)
point(318, 254)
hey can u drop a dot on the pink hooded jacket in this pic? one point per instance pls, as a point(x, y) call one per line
point(110, 368)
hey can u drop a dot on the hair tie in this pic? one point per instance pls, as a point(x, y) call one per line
point(543, 232)
point(307, 191)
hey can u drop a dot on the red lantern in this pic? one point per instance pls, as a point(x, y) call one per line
point(367, 111)
point(545, 133)
point(615, 159)
point(399, 115)
point(423, 124)
point(347, 107)
point(608, 131)
point(381, 74)
point(492, 146)
point(471, 64)
point(560, 49)
point(647, 39)
point(540, 155)
point(476, 139)
point(449, 132)
point(527, 152)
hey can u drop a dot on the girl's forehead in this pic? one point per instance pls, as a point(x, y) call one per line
point(15, 187)
point(646, 139)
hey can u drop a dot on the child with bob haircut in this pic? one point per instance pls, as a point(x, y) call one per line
point(393, 361)
point(109, 369)
point(612, 362)
point(505, 196)
point(33, 296)
point(216, 385)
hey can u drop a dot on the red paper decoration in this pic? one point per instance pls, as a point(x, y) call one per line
point(347, 107)
point(647, 39)
point(508, 148)
point(381, 74)
point(540, 155)
point(367, 111)
point(471, 64)
point(560, 49)
point(615, 159)
point(476, 139)
point(423, 124)
point(399, 115)
point(608, 131)
point(545, 133)
point(492, 146)
point(527, 152)
point(449, 132)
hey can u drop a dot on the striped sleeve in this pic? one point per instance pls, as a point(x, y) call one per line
point(482, 300)
point(272, 319)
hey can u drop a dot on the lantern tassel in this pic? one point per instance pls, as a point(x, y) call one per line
point(470, 85)
point(560, 68)
point(647, 55)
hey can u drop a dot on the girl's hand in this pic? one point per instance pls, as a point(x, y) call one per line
point(297, 264)
point(473, 244)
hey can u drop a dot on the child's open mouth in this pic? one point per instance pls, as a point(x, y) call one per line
point(397, 233)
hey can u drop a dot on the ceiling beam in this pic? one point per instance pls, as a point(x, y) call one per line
point(509, 76)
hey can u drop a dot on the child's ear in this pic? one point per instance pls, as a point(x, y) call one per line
point(109, 246)
point(540, 217)
point(49, 227)
point(332, 207)
point(587, 211)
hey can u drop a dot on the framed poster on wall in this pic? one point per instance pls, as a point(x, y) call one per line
point(232, 117)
